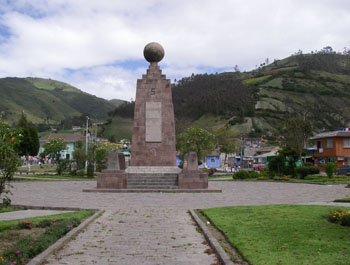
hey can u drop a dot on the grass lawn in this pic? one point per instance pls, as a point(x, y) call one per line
point(5, 210)
point(283, 234)
point(308, 179)
point(37, 168)
point(20, 243)
point(67, 177)
point(81, 215)
point(220, 177)
point(342, 200)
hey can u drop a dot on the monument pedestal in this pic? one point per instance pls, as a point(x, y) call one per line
point(144, 177)
point(191, 177)
point(111, 179)
point(114, 177)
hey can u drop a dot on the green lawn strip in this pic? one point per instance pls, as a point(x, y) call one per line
point(342, 200)
point(220, 177)
point(69, 177)
point(283, 234)
point(5, 210)
point(81, 215)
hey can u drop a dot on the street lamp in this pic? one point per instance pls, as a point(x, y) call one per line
point(86, 143)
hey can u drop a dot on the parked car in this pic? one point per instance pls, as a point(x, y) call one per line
point(344, 170)
point(258, 167)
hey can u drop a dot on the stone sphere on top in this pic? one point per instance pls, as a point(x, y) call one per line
point(153, 52)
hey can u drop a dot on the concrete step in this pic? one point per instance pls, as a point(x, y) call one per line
point(152, 187)
point(152, 181)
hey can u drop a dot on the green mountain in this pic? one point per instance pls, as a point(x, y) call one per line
point(315, 86)
point(48, 101)
point(116, 102)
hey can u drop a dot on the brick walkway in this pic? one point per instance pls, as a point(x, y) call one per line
point(155, 228)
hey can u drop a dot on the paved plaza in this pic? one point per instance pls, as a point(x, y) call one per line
point(155, 228)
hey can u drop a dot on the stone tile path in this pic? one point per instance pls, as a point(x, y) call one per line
point(155, 228)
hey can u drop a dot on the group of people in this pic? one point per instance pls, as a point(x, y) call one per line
point(35, 160)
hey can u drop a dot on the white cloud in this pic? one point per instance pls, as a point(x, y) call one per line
point(48, 37)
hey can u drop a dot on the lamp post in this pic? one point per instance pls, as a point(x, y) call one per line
point(86, 143)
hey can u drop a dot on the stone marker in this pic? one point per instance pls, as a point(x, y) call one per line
point(114, 177)
point(191, 177)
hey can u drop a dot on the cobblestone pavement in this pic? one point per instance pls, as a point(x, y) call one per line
point(155, 228)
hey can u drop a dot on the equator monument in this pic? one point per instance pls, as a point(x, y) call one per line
point(153, 152)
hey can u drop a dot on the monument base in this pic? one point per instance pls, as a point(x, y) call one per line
point(208, 190)
point(193, 179)
point(111, 179)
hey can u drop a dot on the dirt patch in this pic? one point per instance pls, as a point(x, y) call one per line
point(9, 237)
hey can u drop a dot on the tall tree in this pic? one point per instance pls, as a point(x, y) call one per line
point(195, 140)
point(9, 160)
point(296, 133)
point(29, 145)
point(226, 140)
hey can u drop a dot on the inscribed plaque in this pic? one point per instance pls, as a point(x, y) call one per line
point(153, 122)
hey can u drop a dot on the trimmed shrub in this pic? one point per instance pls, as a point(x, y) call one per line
point(265, 173)
point(331, 168)
point(242, 174)
point(339, 216)
point(253, 174)
point(307, 170)
point(345, 220)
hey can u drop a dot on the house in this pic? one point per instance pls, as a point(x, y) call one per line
point(330, 146)
point(69, 138)
point(213, 159)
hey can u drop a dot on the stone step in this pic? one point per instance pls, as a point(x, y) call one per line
point(152, 180)
point(152, 187)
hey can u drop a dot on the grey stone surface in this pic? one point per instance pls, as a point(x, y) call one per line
point(28, 214)
point(190, 161)
point(153, 122)
point(155, 228)
point(150, 169)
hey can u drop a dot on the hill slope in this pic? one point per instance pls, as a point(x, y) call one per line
point(315, 86)
point(48, 101)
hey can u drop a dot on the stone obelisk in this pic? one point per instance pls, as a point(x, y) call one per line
point(153, 137)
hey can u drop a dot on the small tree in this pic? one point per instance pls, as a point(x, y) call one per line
point(52, 148)
point(331, 168)
point(195, 140)
point(296, 133)
point(79, 154)
point(29, 146)
point(226, 140)
point(9, 160)
point(277, 164)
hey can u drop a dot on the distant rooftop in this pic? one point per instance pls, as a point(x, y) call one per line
point(331, 134)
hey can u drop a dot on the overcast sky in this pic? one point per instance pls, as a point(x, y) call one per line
point(97, 45)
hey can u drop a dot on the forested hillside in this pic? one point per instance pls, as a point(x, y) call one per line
point(315, 86)
point(47, 101)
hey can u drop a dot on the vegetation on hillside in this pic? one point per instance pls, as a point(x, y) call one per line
point(314, 86)
point(48, 101)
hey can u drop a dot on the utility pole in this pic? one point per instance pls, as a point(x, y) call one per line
point(86, 143)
